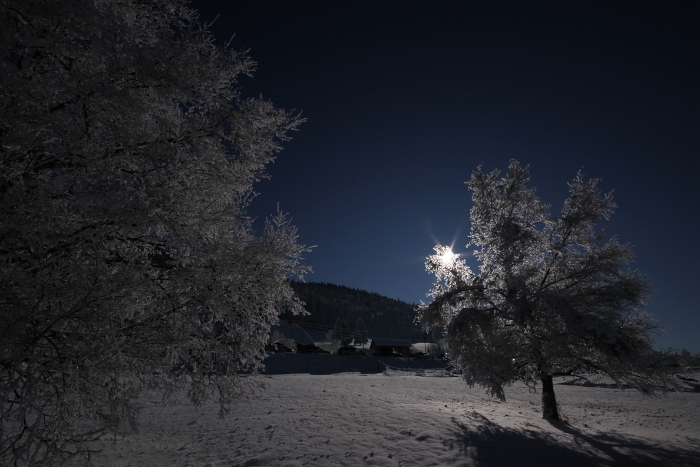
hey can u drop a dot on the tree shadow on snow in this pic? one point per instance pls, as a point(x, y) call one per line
point(488, 444)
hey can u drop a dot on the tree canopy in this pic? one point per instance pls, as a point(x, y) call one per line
point(551, 296)
point(127, 261)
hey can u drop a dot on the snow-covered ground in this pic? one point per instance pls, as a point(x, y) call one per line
point(352, 419)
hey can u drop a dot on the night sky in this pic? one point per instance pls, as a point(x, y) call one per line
point(405, 99)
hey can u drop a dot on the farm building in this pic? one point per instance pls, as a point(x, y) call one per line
point(302, 340)
point(386, 346)
point(293, 332)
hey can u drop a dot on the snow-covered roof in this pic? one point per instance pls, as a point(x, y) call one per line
point(294, 331)
point(386, 342)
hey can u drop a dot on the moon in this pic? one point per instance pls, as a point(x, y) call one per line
point(447, 257)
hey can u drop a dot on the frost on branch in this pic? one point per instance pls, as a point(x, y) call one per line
point(126, 259)
point(552, 296)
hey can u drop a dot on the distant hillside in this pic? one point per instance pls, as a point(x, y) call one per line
point(383, 316)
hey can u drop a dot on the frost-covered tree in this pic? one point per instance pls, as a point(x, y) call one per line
point(551, 296)
point(341, 332)
point(360, 332)
point(126, 259)
point(279, 338)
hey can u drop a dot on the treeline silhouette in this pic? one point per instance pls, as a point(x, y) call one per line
point(382, 316)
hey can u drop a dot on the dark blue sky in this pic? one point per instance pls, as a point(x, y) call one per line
point(404, 99)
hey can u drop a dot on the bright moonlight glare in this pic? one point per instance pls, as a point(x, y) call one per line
point(447, 257)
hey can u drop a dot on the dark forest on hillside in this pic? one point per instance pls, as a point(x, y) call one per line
point(382, 316)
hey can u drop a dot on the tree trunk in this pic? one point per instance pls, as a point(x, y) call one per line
point(549, 402)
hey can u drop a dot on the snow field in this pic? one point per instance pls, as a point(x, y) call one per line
point(352, 419)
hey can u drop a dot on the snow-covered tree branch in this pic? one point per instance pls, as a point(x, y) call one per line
point(551, 297)
point(126, 258)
